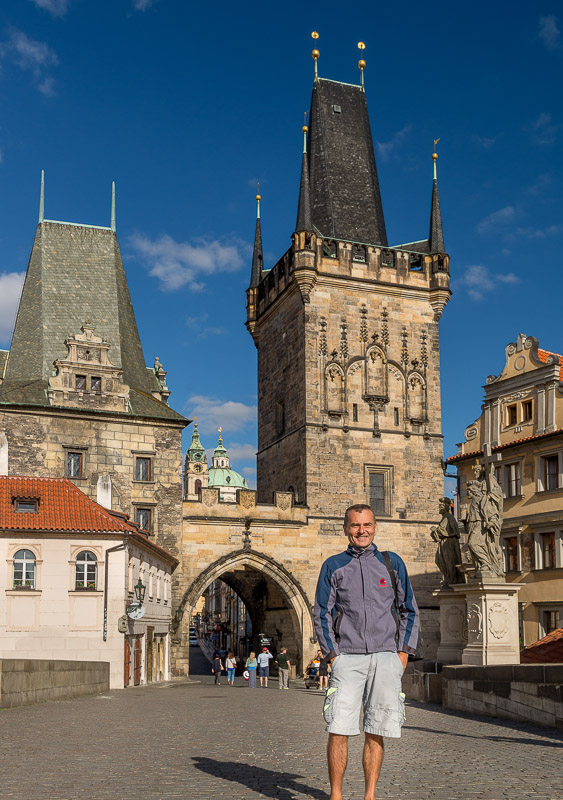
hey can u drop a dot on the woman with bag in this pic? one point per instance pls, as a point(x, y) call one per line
point(251, 665)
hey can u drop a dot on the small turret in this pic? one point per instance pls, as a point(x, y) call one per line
point(257, 255)
point(304, 217)
point(436, 235)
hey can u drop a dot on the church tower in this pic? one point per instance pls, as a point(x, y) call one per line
point(346, 328)
point(76, 397)
point(196, 471)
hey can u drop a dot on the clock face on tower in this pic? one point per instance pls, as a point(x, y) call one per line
point(198, 467)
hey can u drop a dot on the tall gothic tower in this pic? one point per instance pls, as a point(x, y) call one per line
point(346, 329)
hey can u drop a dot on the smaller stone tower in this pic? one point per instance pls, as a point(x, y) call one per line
point(196, 472)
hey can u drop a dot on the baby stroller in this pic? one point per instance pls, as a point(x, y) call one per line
point(312, 676)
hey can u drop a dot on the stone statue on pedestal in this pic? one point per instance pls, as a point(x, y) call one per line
point(448, 554)
point(484, 523)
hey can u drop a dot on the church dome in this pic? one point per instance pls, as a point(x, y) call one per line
point(226, 477)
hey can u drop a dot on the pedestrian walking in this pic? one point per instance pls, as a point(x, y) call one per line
point(251, 666)
point(217, 668)
point(264, 667)
point(368, 640)
point(284, 665)
point(231, 664)
point(323, 671)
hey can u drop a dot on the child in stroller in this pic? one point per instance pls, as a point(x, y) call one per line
point(312, 672)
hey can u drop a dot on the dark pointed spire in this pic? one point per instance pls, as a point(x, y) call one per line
point(304, 218)
point(257, 255)
point(436, 235)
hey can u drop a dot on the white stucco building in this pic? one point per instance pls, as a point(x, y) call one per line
point(68, 568)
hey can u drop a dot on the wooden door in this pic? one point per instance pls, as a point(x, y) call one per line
point(137, 663)
point(127, 664)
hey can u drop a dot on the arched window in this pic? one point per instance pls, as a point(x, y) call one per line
point(24, 570)
point(197, 487)
point(86, 570)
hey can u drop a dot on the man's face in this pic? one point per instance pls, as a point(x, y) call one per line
point(360, 528)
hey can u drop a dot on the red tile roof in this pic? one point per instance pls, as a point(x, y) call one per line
point(461, 457)
point(548, 650)
point(543, 354)
point(61, 507)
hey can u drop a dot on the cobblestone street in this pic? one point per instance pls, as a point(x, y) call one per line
point(198, 741)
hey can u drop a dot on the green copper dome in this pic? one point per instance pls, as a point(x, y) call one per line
point(223, 477)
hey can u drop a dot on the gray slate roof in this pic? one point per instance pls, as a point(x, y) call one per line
point(76, 274)
point(345, 196)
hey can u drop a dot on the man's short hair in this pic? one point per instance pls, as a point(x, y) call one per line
point(357, 507)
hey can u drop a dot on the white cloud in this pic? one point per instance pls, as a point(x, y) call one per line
point(57, 8)
point(204, 330)
point(142, 5)
point(542, 182)
point(498, 219)
point(10, 290)
point(178, 264)
point(385, 149)
point(549, 32)
point(30, 56)
point(213, 413)
point(539, 233)
point(478, 281)
point(544, 131)
point(485, 141)
point(242, 452)
point(250, 471)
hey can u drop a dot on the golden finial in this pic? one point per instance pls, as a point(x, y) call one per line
point(195, 420)
point(220, 435)
point(361, 62)
point(435, 158)
point(305, 130)
point(315, 54)
point(258, 198)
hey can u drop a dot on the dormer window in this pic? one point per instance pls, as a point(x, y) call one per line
point(26, 505)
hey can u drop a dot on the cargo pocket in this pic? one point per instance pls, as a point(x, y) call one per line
point(402, 715)
point(329, 707)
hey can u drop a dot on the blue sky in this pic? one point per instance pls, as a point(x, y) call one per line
point(186, 106)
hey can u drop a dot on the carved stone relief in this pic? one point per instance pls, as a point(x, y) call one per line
point(474, 622)
point(454, 621)
point(498, 620)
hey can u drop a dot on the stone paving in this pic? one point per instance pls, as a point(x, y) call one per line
point(197, 741)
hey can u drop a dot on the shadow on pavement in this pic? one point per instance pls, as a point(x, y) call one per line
point(511, 739)
point(279, 785)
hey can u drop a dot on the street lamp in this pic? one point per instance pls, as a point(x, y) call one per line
point(140, 590)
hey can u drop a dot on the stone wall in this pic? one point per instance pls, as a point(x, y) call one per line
point(23, 681)
point(524, 692)
point(38, 443)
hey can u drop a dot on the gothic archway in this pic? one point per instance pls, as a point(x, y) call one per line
point(259, 579)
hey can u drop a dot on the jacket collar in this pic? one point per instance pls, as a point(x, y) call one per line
point(364, 552)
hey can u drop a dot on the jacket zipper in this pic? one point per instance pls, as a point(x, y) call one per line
point(364, 602)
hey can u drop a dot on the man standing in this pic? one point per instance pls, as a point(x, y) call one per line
point(264, 666)
point(368, 641)
point(284, 665)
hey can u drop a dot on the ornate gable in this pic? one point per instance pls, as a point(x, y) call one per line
point(86, 378)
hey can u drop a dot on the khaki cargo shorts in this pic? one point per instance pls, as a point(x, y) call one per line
point(372, 681)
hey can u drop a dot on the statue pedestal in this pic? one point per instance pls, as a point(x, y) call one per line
point(492, 622)
point(453, 624)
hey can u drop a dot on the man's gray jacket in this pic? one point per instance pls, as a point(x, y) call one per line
point(355, 604)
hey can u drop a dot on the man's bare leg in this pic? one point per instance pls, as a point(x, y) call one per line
point(372, 760)
point(337, 756)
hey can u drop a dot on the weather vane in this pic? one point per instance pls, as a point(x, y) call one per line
point(361, 62)
point(315, 54)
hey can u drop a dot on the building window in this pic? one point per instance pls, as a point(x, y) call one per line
point(26, 505)
point(354, 412)
point(143, 518)
point(80, 382)
point(280, 417)
point(396, 416)
point(548, 550)
point(24, 570)
point(197, 487)
point(96, 384)
point(511, 554)
point(550, 472)
point(511, 415)
point(550, 620)
point(74, 465)
point(86, 570)
point(527, 410)
point(513, 479)
point(142, 469)
point(378, 490)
